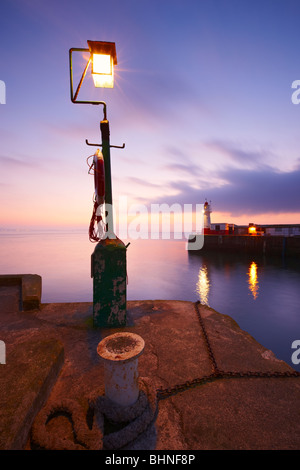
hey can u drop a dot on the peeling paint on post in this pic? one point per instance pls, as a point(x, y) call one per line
point(109, 283)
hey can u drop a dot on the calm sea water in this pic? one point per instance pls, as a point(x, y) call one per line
point(262, 295)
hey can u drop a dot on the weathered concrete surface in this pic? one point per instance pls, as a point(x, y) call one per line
point(30, 289)
point(31, 369)
point(10, 296)
point(243, 413)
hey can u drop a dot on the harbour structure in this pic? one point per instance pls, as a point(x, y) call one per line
point(225, 228)
point(265, 239)
point(206, 217)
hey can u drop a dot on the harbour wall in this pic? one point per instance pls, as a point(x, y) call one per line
point(266, 245)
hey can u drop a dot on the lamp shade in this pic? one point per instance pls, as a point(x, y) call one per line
point(104, 58)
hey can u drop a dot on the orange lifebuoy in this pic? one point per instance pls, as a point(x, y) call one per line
point(99, 177)
point(99, 182)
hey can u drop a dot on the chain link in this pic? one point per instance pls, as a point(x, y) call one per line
point(216, 372)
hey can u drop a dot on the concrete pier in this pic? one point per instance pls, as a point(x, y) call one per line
point(217, 387)
point(261, 245)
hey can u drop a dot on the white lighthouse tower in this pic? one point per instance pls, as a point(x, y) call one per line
point(207, 211)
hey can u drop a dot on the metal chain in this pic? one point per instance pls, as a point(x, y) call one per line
point(207, 343)
point(217, 373)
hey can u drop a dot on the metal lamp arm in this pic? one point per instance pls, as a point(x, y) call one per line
point(74, 96)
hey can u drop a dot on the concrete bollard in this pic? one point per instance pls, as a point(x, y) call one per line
point(120, 353)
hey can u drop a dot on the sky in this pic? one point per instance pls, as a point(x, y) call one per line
point(203, 101)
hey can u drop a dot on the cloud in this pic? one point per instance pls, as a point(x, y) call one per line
point(160, 100)
point(259, 191)
point(246, 192)
point(257, 158)
point(142, 182)
point(242, 182)
point(16, 162)
point(181, 163)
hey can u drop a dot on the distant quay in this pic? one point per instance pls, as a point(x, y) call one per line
point(264, 245)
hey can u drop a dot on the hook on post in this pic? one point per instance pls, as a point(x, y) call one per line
point(100, 145)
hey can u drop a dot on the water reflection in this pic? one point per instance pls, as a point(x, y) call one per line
point(203, 285)
point(253, 280)
point(162, 269)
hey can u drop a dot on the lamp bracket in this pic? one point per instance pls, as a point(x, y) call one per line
point(100, 145)
point(75, 95)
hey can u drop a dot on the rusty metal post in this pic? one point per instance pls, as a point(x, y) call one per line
point(120, 353)
point(109, 270)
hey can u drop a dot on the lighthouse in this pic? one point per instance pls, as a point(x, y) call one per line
point(207, 211)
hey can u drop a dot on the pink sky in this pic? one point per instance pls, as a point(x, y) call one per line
point(218, 124)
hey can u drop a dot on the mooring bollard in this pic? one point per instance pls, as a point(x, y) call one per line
point(120, 353)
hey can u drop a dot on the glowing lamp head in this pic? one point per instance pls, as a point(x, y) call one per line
point(104, 58)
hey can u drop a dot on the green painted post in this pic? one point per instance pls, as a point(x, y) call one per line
point(104, 127)
point(109, 260)
point(109, 283)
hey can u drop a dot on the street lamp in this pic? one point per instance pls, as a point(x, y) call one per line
point(108, 263)
point(104, 58)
